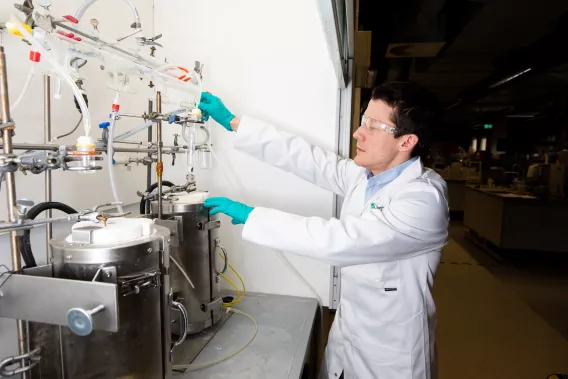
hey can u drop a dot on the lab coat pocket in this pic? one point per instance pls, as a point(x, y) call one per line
point(371, 360)
point(387, 300)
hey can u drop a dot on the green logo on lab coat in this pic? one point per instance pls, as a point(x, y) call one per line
point(375, 206)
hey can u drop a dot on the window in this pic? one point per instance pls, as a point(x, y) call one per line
point(483, 146)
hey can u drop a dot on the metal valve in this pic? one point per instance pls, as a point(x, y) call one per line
point(45, 4)
point(145, 41)
point(22, 207)
point(80, 321)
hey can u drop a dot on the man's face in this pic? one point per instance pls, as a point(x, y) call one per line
point(377, 147)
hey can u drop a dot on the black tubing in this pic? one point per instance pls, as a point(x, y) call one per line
point(26, 246)
point(149, 190)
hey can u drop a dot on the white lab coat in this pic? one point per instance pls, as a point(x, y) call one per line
point(388, 248)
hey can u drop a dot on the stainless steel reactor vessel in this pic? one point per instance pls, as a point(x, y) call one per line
point(133, 254)
point(197, 254)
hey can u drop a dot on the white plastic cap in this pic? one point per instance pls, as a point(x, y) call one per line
point(117, 230)
point(189, 198)
point(86, 142)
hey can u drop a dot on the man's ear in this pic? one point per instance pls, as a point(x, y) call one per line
point(407, 142)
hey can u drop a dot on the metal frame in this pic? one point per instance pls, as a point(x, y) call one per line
point(103, 296)
point(345, 106)
point(338, 48)
point(340, 39)
point(21, 326)
point(47, 139)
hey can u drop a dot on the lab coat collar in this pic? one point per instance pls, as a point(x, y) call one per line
point(415, 170)
point(376, 182)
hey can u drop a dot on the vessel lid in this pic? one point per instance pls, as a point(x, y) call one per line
point(189, 198)
point(117, 230)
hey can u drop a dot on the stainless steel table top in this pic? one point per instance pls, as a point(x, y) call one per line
point(285, 325)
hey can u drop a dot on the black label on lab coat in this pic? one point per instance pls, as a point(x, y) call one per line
point(390, 289)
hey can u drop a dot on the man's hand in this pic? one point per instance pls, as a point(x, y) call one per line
point(237, 211)
point(213, 106)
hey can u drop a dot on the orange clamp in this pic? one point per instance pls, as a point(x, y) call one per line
point(159, 168)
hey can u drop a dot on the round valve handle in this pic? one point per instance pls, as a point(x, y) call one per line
point(80, 321)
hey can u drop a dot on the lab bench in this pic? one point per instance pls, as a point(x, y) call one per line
point(285, 346)
point(456, 194)
point(516, 222)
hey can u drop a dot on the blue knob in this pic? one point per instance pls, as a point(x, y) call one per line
point(104, 125)
point(80, 321)
point(172, 119)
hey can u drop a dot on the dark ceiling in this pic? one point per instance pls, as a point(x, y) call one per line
point(501, 57)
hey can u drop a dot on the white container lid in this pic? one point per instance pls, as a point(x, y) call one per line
point(117, 230)
point(189, 198)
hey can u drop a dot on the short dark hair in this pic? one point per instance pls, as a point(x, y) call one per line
point(416, 110)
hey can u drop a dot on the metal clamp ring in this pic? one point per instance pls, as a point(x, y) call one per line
point(7, 124)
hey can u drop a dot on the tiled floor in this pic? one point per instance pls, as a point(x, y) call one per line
point(500, 319)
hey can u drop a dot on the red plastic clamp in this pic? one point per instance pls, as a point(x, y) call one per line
point(35, 56)
point(68, 35)
point(71, 19)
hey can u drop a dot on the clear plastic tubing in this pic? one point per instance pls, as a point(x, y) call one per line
point(204, 159)
point(134, 130)
point(59, 69)
point(87, 4)
point(110, 151)
point(199, 85)
point(24, 91)
point(190, 137)
point(205, 153)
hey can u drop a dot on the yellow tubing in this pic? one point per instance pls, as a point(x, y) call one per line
point(197, 366)
point(242, 294)
point(232, 284)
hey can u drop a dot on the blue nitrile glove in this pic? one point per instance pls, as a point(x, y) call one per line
point(237, 211)
point(213, 106)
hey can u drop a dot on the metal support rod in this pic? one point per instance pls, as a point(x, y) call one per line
point(46, 139)
point(131, 115)
point(34, 146)
point(160, 163)
point(142, 150)
point(139, 143)
point(49, 189)
point(49, 147)
point(149, 173)
point(22, 330)
point(29, 224)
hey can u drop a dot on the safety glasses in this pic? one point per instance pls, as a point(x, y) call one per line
point(374, 127)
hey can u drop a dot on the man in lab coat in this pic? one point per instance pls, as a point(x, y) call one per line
point(388, 241)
